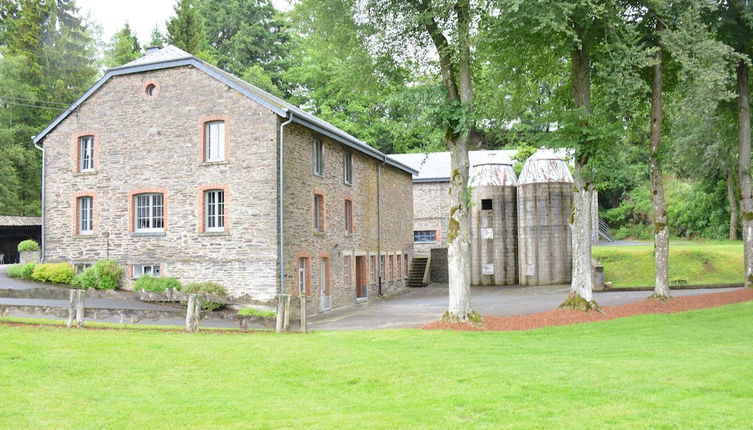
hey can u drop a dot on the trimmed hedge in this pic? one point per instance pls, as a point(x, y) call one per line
point(103, 275)
point(60, 273)
point(155, 284)
point(28, 245)
point(205, 288)
point(14, 271)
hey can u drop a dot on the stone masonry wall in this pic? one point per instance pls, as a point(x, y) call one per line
point(144, 143)
point(334, 243)
point(431, 209)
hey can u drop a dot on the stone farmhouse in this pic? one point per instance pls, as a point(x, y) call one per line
point(174, 167)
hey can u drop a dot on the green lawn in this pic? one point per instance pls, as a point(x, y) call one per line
point(692, 262)
point(690, 370)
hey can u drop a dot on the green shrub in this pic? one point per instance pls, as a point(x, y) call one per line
point(27, 270)
point(107, 273)
point(85, 279)
point(205, 288)
point(28, 245)
point(60, 273)
point(14, 271)
point(253, 312)
point(155, 284)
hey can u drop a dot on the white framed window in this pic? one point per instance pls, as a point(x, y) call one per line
point(424, 236)
point(346, 271)
point(86, 153)
point(399, 269)
point(348, 168)
point(140, 270)
point(214, 141)
point(149, 212)
point(318, 212)
point(85, 215)
point(302, 275)
point(214, 210)
point(348, 216)
point(318, 158)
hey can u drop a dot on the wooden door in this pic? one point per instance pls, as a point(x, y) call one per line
point(362, 279)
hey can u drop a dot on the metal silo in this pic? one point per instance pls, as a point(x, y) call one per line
point(493, 225)
point(545, 201)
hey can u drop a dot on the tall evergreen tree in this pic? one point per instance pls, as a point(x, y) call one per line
point(123, 48)
point(157, 38)
point(186, 29)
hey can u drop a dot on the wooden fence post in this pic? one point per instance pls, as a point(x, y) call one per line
point(76, 308)
point(193, 313)
point(80, 298)
point(304, 321)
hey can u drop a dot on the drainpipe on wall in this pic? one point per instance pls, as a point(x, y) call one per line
point(280, 223)
point(379, 224)
point(41, 257)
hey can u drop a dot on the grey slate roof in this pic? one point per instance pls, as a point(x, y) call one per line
point(435, 166)
point(19, 221)
point(170, 56)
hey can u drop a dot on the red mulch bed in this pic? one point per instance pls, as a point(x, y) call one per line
point(566, 317)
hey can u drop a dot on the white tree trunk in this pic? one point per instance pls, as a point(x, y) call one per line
point(459, 235)
point(743, 169)
point(582, 283)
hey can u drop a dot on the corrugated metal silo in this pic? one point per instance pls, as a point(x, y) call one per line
point(545, 201)
point(493, 225)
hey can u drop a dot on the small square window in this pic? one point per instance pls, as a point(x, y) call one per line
point(140, 270)
point(486, 204)
point(149, 212)
point(424, 236)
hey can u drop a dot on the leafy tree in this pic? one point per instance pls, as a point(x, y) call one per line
point(157, 38)
point(47, 60)
point(123, 48)
point(444, 26)
point(245, 33)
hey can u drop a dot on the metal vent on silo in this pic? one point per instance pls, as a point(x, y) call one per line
point(493, 225)
point(545, 199)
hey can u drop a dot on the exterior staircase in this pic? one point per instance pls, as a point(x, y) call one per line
point(418, 272)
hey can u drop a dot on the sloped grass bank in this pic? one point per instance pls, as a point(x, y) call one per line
point(687, 370)
point(690, 263)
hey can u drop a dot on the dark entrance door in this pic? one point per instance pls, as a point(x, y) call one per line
point(362, 282)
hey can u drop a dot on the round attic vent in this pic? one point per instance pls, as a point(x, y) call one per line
point(151, 89)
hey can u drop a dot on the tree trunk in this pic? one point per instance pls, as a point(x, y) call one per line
point(732, 205)
point(459, 230)
point(743, 169)
point(581, 286)
point(661, 229)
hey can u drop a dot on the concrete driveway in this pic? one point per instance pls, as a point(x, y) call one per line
point(423, 305)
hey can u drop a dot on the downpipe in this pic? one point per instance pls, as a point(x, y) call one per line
point(281, 224)
point(44, 198)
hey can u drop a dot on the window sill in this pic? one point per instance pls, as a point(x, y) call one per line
point(318, 175)
point(214, 233)
point(148, 234)
point(350, 184)
point(85, 236)
point(214, 163)
point(87, 173)
point(318, 233)
point(349, 234)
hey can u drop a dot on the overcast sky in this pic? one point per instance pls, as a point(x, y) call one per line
point(141, 15)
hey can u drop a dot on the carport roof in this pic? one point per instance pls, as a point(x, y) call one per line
point(19, 221)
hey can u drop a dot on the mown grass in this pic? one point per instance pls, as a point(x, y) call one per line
point(689, 370)
point(689, 263)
